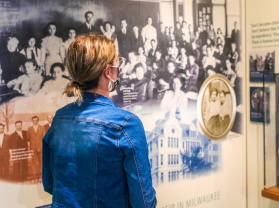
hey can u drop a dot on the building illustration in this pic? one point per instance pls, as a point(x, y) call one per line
point(180, 151)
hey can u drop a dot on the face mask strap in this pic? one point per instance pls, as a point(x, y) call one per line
point(116, 84)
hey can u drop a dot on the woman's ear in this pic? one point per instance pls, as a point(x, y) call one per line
point(107, 72)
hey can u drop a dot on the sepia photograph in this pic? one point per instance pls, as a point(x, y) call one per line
point(217, 107)
point(21, 149)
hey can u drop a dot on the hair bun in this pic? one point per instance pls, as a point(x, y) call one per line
point(74, 89)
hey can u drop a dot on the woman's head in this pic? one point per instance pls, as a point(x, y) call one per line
point(31, 42)
point(176, 83)
point(219, 31)
point(107, 26)
point(140, 50)
point(30, 66)
point(72, 33)
point(57, 70)
point(12, 44)
point(51, 28)
point(87, 58)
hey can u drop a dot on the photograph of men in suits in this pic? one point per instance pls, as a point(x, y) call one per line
point(18, 140)
point(35, 135)
point(88, 27)
point(4, 153)
point(49, 121)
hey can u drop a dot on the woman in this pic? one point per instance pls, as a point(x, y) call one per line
point(175, 100)
point(174, 49)
point(29, 83)
point(182, 59)
point(11, 61)
point(220, 35)
point(31, 51)
point(52, 48)
point(140, 57)
point(209, 59)
point(71, 37)
point(94, 149)
point(185, 29)
point(57, 82)
point(108, 31)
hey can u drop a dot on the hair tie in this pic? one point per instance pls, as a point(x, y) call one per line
point(79, 85)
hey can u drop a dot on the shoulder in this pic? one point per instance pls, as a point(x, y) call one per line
point(21, 77)
point(45, 39)
point(37, 76)
point(118, 117)
point(22, 51)
point(132, 123)
point(100, 112)
point(41, 127)
point(82, 25)
point(58, 39)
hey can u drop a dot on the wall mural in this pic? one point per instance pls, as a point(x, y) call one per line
point(164, 70)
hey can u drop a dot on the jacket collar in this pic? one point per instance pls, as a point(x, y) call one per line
point(97, 98)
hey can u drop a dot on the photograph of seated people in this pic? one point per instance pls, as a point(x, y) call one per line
point(195, 53)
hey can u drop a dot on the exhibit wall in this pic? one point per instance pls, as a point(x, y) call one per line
point(261, 44)
point(172, 49)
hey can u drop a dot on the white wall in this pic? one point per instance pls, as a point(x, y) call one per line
point(257, 11)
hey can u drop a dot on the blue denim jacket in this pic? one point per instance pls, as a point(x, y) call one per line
point(95, 155)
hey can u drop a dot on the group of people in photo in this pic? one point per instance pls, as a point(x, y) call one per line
point(168, 53)
point(258, 64)
point(30, 69)
point(161, 62)
point(259, 101)
point(21, 151)
point(155, 54)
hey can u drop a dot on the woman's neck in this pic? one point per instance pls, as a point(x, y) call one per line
point(100, 91)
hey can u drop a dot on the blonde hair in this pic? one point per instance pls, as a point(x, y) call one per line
point(88, 56)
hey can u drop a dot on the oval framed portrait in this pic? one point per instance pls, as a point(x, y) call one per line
point(216, 107)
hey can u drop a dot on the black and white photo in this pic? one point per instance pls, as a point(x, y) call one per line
point(262, 65)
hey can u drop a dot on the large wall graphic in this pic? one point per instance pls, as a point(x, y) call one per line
point(168, 53)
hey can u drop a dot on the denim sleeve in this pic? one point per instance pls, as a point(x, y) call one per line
point(46, 173)
point(136, 164)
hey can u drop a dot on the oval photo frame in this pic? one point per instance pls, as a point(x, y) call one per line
point(216, 107)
